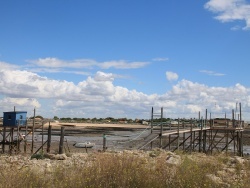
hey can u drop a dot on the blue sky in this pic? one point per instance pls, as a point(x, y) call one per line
point(119, 58)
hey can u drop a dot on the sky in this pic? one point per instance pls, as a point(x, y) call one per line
point(95, 58)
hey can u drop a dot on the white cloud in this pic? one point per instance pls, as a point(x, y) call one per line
point(212, 73)
point(85, 63)
point(4, 66)
point(97, 96)
point(171, 76)
point(230, 10)
point(57, 63)
point(7, 104)
point(122, 65)
point(235, 28)
point(161, 59)
point(101, 76)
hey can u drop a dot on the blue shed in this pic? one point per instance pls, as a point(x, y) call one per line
point(12, 119)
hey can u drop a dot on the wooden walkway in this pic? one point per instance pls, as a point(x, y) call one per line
point(203, 139)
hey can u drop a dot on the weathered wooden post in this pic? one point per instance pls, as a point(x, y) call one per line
point(184, 137)
point(241, 143)
point(61, 140)
point(104, 143)
point(42, 134)
point(25, 138)
point(204, 140)
point(191, 135)
point(227, 134)
point(178, 134)
point(233, 121)
point(4, 139)
point(200, 132)
point(161, 127)
point(206, 119)
point(152, 116)
point(11, 139)
point(49, 138)
point(17, 138)
point(33, 132)
point(240, 116)
point(169, 142)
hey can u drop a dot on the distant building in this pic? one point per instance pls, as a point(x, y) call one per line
point(144, 123)
point(13, 119)
point(173, 122)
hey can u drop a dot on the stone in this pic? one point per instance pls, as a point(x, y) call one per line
point(173, 159)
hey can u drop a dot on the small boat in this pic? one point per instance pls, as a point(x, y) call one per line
point(84, 145)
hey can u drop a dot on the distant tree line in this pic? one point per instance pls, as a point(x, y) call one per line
point(114, 120)
point(109, 120)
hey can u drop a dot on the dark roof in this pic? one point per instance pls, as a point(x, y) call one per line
point(16, 112)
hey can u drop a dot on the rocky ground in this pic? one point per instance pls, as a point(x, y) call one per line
point(225, 176)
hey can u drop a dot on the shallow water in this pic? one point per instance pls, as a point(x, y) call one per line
point(116, 140)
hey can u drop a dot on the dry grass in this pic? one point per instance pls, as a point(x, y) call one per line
point(130, 169)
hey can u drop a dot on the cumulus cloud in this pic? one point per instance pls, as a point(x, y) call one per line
point(98, 96)
point(27, 104)
point(230, 10)
point(171, 76)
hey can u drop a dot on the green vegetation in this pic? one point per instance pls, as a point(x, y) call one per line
point(95, 120)
point(129, 169)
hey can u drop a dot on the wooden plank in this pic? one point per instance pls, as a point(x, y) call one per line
point(61, 140)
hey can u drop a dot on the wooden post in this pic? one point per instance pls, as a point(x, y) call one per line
point(233, 118)
point(178, 134)
point(11, 139)
point(191, 135)
point(17, 141)
point(42, 134)
point(4, 139)
point(241, 143)
point(206, 119)
point(240, 116)
point(200, 134)
point(183, 136)
point(204, 139)
point(152, 113)
point(211, 121)
point(211, 140)
point(238, 144)
point(104, 142)
point(161, 127)
point(234, 141)
point(152, 116)
point(49, 138)
point(169, 142)
point(25, 138)
point(193, 139)
point(61, 140)
point(33, 132)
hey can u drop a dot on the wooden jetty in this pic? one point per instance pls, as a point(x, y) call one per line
point(201, 135)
